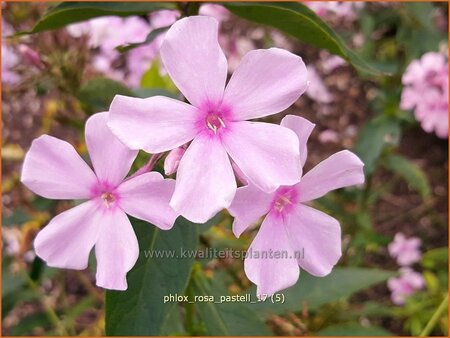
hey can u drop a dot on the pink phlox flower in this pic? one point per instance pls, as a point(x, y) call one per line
point(217, 11)
point(295, 234)
point(265, 82)
point(54, 170)
point(10, 58)
point(331, 62)
point(106, 33)
point(406, 285)
point(328, 136)
point(317, 90)
point(426, 91)
point(342, 9)
point(405, 250)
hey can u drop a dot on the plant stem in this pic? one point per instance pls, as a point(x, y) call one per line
point(84, 280)
point(51, 314)
point(149, 166)
point(434, 319)
point(190, 310)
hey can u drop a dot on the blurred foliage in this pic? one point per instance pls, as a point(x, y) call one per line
point(298, 20)
point(65, 13)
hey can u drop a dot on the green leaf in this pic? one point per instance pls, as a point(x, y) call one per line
point(353, 329)
point(302, 23)
point(410, 172)
point(96, 95)
point(67, 13)
point(150, 37)
point(314, 291)
point(418, 25)
point(153, 79)
point(421, 14)
point(140, 310)
point(173, 325)
point(374, 137)
point(434, 259)
point(147, 92)
point(226, 318)
point(18, 217)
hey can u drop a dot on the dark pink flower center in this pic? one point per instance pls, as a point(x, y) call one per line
point(214, 121)
point(108, 199)
point(285, 199)
point(106, 194)
point(282, 202)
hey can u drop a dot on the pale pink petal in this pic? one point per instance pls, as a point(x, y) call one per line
point(116, 250)
point(267, 81)
point(341, 169)
point(110, 158)
point(194, 60)
point(69, 237)
point(155, 124)
point(249, 204)
point(147, 197)
point(270, 262)
point(239, 174)
point(303, 128)
point(267, 154)
point(53, 169)
point(317, 89)
point(205, 180)
point(316, 236)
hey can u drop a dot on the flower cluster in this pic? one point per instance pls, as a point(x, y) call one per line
point(405, 285)
point(211, 142)
point(344, 9)
point(126, 30)
point(15, 55)
point(103, 41)
point(426, 91)
point(10, 58)
point(406, 252)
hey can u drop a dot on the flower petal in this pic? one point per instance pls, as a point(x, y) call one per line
point(53, 169)
point(110, 158)
point(270, 262)
point(147, 197)
point(205, 180)
point(116, 250)
point(303, 128)
point(341, 169)
point(249, 204)
point(266, 153)
point(316, 236)
point(267, 81)
point(69, 237)
point(155, 124)
point(194, 60)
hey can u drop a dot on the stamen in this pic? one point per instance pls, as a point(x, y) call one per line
point(285, 199)
point(214, 122)
point(212, 127)
point(282, 202)
point(279, 206)
point(108, 199)
point(221, 122)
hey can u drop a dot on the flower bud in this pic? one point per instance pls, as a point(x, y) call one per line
point(173, 160)
point(30, 55)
